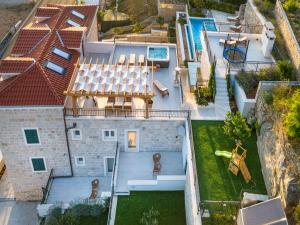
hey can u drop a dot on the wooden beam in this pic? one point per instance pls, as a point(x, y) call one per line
point(74, 106)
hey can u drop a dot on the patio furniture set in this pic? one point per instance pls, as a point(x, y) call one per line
point(132, 60)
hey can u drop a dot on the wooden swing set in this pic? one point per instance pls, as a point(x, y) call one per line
point(237, 162)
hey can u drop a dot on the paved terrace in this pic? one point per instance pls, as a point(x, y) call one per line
point(165, 76)
point(139, 166)
point(76, 188)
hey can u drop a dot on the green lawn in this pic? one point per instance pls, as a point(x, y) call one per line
point(170, 205)
point(215, 181)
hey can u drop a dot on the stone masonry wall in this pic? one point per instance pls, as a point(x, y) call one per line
point(169, 9)
point(288, 36)
point(253, 19)
point(155, 135)
point(49, 121)
point(279, 161)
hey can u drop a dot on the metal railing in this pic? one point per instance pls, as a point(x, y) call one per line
point(126, 113)
point(46, 190)
point(113, 184)
point(249, 66)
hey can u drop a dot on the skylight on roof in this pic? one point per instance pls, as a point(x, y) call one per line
point(78, 14)
point(61, 53)
point(73, 23)
point(55, 67)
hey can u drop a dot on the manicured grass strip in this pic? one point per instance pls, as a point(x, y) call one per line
point(170, 205)
point(215, 181)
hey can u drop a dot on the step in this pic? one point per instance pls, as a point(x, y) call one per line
point(222, 92)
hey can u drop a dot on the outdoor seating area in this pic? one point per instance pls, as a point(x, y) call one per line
point(147, 166)
point(79, 189)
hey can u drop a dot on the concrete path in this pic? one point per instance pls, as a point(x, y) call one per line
point(18, 213)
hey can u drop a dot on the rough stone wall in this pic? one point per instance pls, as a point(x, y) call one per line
point(280, 164)
point(169, 10)
point(288, 36)
point(154, 135)
point(253, 20)
point(27, 184)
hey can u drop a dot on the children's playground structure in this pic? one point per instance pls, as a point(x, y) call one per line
point(237, 161)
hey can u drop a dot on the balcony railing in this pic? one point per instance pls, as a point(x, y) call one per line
point(125, 113)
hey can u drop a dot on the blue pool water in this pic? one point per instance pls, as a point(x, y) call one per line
point(189, 38)
point(158, 53)
point(197, 26)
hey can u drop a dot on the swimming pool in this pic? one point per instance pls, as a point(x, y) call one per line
point(196, 25)
point(189, 39)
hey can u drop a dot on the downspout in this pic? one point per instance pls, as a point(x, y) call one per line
point(68, 144)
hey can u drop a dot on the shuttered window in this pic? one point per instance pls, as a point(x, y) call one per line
point(31, 136)
point(38, 164)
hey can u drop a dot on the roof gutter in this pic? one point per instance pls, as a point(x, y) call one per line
point(68, 145)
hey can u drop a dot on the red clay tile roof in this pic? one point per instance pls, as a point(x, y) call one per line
point(28, 39)
point(72, 36)
point(15, 64)
point(36, 84)
point(46, 11)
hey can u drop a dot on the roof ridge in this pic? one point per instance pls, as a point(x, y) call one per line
point(49, 83)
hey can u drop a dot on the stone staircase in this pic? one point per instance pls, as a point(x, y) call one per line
point(221, 98)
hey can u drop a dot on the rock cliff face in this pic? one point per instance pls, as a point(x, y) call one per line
point(279, 159)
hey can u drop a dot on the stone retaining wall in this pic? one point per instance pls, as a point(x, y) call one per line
point(288, 36)
point(169, 9)
point(253, 20)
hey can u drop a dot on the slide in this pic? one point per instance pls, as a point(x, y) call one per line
point(223, 153)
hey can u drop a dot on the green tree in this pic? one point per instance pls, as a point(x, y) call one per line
point(150, 217)
point(160, 20)
point(236, 126)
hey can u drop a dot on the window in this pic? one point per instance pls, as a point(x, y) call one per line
point(109, 164)
point(38, 164)
point(61, 53)
point(31, 136)
point(79, 161)
point(73, 23)
point(78, 14)
point(109, 135)
point(55, 67)
point(76, 134)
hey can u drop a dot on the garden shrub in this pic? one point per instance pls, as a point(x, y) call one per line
point(296, 214)
point(290, 5)
point(80, 210)
point(222, 6)
point(212, 81)
point(248, 81)
point(292, 118)
point(236, 126)
point(181, 21)
point(286, 70)
point(229, 87)
point(203, 96)
point(57, 218)
point(267, 97)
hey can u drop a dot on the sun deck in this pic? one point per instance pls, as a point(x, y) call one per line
point(71, 189)
point(139, 166)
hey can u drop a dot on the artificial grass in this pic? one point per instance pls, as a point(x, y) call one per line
point(170, 205)
point(216, 182)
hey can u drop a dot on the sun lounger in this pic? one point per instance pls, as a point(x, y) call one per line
point(233, 19)
point(237, 29)
point(122, 60)
point(132, 59)
point(242, 40)
point(162, 89)
point(142, 60)
point(228, 42)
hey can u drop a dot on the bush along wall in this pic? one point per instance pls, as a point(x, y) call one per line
point(212, 81)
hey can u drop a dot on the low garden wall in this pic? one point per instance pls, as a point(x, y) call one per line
point(287, 32)
point(162, 183)
point(243, 103)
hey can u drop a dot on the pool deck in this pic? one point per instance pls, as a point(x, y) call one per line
point(164, 75)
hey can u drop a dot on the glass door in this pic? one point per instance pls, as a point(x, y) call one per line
point(131, 141)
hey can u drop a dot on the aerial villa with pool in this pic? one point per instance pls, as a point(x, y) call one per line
point(226, 43)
